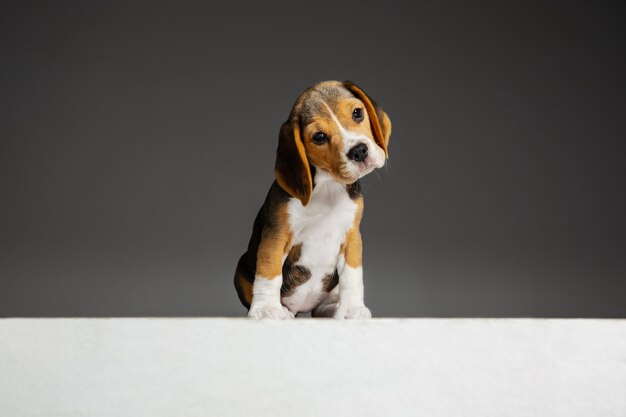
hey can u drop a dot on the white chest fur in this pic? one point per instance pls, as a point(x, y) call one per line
point(321, 228)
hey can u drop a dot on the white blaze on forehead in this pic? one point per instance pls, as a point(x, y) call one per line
point(351, 139)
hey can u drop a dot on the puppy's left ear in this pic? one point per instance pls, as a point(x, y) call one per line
point(292, 169)
point(379, 121)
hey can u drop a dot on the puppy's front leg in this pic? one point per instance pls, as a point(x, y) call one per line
point(266, 299)
point(350, 268)
point(268, 279)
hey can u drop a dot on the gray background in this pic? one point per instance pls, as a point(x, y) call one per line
point(138, 141)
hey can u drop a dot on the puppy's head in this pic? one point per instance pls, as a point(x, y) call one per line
point(333, 126)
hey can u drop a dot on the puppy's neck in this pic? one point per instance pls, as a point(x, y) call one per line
point(327, 190)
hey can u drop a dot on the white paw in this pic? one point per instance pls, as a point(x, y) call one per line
point(278, 312)
point(289, 313)
point(358, 312)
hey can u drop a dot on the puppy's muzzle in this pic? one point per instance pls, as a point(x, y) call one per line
point(358, 153)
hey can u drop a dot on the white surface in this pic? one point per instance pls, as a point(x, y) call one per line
point(306, 367)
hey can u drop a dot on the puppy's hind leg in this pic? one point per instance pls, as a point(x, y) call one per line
point(328, 305)
point(243, 282)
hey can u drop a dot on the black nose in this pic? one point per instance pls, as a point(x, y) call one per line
point(358, 153)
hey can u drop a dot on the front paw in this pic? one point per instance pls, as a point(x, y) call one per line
point(278, 312)
point(358, 312)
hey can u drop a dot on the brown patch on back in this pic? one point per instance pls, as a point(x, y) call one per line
point(293, 275)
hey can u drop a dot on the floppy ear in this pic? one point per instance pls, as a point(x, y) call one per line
point(379, 121)
point(292, 166)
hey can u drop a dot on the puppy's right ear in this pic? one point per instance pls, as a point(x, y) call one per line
point(379, 121)
point(292, 166)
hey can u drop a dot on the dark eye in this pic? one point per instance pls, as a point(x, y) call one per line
point(320, 138)
point(357, 115)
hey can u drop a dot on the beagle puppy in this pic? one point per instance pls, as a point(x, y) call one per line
point(305, 251)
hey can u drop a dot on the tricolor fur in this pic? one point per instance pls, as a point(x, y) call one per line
point(305, 253)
